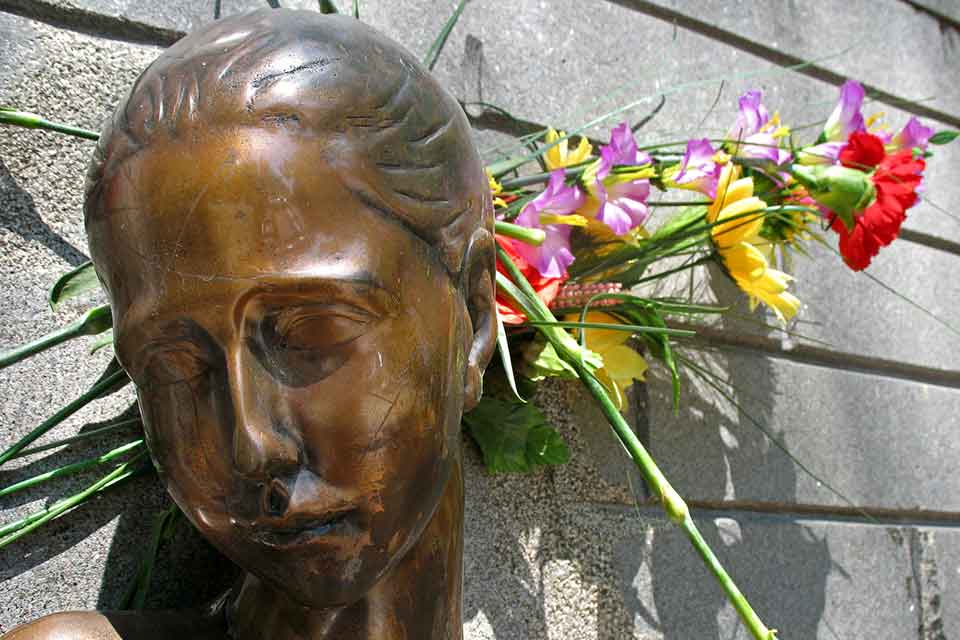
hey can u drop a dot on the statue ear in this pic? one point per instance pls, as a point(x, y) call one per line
point(480, 296)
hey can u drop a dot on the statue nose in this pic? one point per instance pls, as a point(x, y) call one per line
point(263, 446)
point(260, 451)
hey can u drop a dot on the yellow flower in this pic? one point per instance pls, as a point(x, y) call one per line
point(621, 364)
point(496, 190)
point(559, 155)
point(737, 216)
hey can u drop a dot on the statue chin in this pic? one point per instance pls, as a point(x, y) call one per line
point(306, 307)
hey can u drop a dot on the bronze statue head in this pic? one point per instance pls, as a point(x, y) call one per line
point(295, 232)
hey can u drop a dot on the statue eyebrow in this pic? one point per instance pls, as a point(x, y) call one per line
point(377, 205)
point(361, 288)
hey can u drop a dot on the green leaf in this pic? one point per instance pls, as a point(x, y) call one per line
point(548, 362)
point(72, 284)
point(944, 137)
point(430, 60)
point(113, 379)
point(514, 437)
point(327, 6)
point(546, 446)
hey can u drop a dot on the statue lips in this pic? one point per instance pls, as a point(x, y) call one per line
point(296, 530)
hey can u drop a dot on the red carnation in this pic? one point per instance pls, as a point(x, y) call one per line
point(546, 288)
point(896, 178)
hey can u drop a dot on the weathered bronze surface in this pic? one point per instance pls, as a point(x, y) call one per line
point(295, 232)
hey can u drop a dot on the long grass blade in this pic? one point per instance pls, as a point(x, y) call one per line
point(80, 437)
point(629, 328)
point(92, 394)
point(503, 347)
point(433, 54)
point(711, 379)
point(14, 531)
point(70, 469)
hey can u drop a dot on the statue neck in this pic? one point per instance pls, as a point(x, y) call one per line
point(419, 598)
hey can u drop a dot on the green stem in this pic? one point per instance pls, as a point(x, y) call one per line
point(94, 321)
point(632, 328)
point(33, 121)
point(683, 267)
point(527, 235)
point(673, 504)
point(537, 178)
point(70, 469)
point(80, 437)
point(92, 394)
point(20, 528)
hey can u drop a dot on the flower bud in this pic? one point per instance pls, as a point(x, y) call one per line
point(847, 192)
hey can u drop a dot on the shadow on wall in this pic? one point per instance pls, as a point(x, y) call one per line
point(715, 450)
point(18, 213)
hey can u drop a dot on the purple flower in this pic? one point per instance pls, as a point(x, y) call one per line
point(552, 257)
point(698, 170)
point(751, 118)
point(846, 117)
point(913, 134)
point(753, 131)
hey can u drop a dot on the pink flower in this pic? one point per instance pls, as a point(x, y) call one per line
point(622, 149)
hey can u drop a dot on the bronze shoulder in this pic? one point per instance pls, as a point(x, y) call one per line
point(121, 625)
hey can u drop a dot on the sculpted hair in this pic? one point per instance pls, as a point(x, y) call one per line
point(306, 72)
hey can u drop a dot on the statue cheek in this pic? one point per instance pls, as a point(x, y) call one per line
point(189, 448)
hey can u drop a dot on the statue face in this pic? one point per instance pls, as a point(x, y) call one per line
point(299, 357)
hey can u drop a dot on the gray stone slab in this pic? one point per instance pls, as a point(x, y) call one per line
point(943, 579)
point(181, 15)
point(894, 47)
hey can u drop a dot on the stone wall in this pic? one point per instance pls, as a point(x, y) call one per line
point(568, 552)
